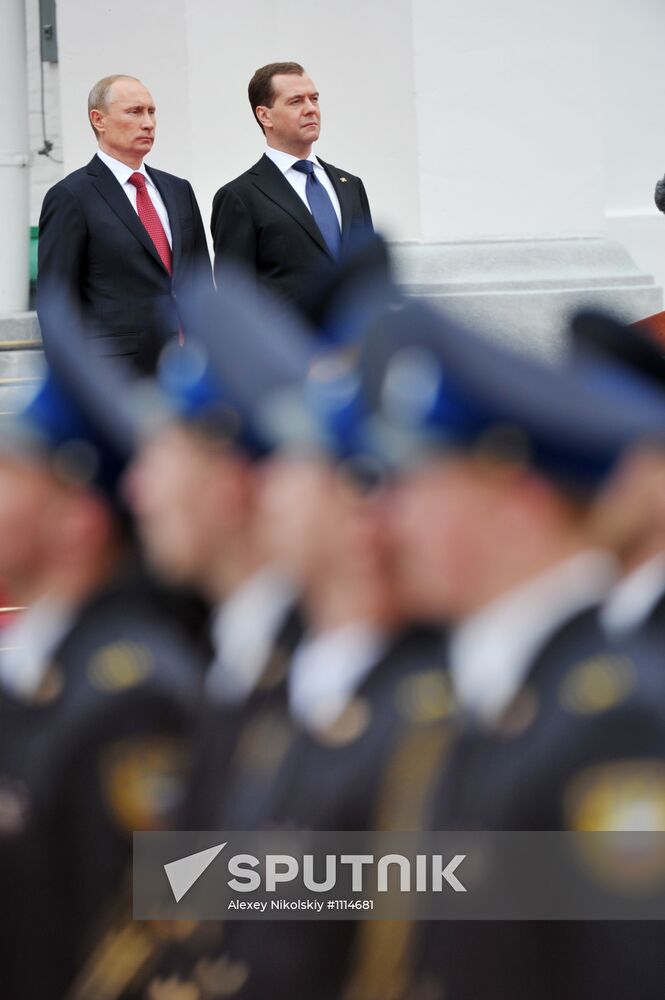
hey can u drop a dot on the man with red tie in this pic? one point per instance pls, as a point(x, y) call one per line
point(122, 241)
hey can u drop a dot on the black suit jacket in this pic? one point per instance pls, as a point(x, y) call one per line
point(259, 222)
point(94, 248)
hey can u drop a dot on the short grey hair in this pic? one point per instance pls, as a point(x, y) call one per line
point(99, 95)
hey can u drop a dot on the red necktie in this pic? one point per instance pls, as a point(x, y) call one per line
point(150, 219)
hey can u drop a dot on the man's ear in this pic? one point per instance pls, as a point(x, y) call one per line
point(263, 115)
point(97, 120)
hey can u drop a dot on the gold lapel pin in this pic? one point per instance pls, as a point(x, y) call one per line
point(343, 180)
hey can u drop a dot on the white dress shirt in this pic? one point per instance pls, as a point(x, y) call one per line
point(28, 645)
point(122, 173)
point(298, 180)
point(490, 653)
point(328, 669)
point(634, 597)
point(243, 633)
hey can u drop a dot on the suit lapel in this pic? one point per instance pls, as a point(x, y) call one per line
point(115, 197)
point(270, 180)
point(163, 185)
point(343, 192)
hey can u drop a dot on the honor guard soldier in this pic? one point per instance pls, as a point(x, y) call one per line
point(366, 721)
point(501, 461)
point(634, 499)
point(193, 489)
point(98, 689)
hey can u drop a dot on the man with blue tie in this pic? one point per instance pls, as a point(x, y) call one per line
point(290, 217)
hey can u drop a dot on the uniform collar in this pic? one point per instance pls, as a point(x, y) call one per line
point(492, 651)
point(328, 669)
point(635, 596)
point(244, 631)
point(29, 644)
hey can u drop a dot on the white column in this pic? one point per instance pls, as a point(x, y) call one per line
point(509, 101)
point(14, 159)
point(633, 85)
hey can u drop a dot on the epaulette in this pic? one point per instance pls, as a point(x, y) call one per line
point(597, 684)
point(119, 666)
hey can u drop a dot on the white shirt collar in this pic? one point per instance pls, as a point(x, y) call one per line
point(492, 651)
point(244, 631)
point(328, 669)
point(284, 161)
point(634, 597)
point(120, 170)
point(28, 645)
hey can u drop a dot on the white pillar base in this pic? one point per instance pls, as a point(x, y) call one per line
point(524, 290)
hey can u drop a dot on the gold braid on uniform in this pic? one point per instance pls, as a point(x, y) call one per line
point(125, 956)
point(384, 950)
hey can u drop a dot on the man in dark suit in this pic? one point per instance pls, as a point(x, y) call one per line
point(122, 241)
point(291, 216)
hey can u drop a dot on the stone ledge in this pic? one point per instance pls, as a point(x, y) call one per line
point(524, 290)
point(19, 326)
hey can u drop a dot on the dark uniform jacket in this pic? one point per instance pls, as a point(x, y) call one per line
point(371, 769)
point(98, 752)
point(94, 248)
point(585, 731)
point(261, 224)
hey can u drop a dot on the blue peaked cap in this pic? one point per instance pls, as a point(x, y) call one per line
point(330, 410)
point(622, 359)
point(444, 385)
point(79, 417)
point(242, 351)
point(342, 307)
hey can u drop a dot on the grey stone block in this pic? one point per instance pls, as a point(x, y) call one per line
point(524, 290)
point(21, 326)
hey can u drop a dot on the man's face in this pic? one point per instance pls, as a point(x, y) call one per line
point(126, 130)
point(187, 498)
point(444, 527)
point(292, 507)
point(31, 507)
point(294, 120)
point(315, 524)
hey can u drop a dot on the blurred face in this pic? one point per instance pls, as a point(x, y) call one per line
point(629, 514)
point(126, 129)
point(188, 500)
point(31, 507)
point(444, 524)
point(292, 514)
point(360, 545)
point(293, 122)
point(315, 524)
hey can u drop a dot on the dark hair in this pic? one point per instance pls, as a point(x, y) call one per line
point(260, 90)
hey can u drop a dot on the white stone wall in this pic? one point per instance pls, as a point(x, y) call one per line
point(633, 102)
point(45, 171)
point(197, 57)
point(509, 128)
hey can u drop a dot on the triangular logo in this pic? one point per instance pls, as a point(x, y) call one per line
point(183, 873)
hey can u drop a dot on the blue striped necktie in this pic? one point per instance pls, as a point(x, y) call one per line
point(321, 206)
